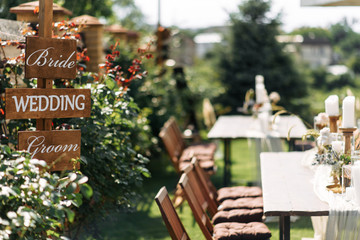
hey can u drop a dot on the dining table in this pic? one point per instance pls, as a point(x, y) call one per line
point(230, 127)
point(288, 189)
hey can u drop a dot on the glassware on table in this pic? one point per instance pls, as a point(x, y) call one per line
point(346, 176)
point(355, 176)
point(355, 156)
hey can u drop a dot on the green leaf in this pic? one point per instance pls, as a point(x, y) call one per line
point(110, 83)
point(86, 190)
point(70, 214)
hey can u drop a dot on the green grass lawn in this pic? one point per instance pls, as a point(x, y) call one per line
point(145, 223)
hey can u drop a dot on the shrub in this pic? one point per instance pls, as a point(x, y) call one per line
point(36, 204)
point(113, 166)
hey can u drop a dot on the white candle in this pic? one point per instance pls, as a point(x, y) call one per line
point(260, 93)
point(259, 79)
point(332, 105)
point(348, 112)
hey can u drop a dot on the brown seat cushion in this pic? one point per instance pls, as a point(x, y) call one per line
point(187, 156)
point(200, 151)
point(206, 165)
point(238, 192)
point(202, 148)
point(247, 203)
point(243, 231)
point(238, 215)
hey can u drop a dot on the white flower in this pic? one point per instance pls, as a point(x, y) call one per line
point(322, 119)
point(274, 97)
point(42, 183)
point(11, 215)
point(325, 137)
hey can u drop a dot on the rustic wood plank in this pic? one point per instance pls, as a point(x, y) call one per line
point(287, 186)
point(57, 148)
point(23, 103)
point(50, 58)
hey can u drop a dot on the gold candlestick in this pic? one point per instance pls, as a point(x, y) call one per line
point(348, 133)
point(333, 123)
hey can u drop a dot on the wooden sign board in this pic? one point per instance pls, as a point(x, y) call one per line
point(50, 58)
point(57, 148)
point(24, 103)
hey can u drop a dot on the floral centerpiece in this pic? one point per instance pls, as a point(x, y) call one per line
point(330, 152)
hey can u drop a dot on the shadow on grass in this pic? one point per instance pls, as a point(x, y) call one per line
point(143, 221)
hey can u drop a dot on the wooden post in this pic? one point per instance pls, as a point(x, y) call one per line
point(59, 148)
point(45, 31)
point(348, 133)
point(333, 123)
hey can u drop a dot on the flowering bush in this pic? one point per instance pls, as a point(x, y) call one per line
point(113, 138)
point(34, 203)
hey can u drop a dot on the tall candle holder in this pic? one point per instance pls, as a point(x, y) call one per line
point(333, 123)
point(348, 133)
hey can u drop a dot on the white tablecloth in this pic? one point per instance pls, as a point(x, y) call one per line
point(344, 216)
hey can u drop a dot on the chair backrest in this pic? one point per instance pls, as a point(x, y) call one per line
point(203, 197)
point(205, 181)
point(169, 140)
point(201, 217)
point(171, 218)
point(177, 133)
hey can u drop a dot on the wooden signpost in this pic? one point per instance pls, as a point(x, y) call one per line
point(46, 59)
point(57, 148)
point(24, 103)
point(50, 58)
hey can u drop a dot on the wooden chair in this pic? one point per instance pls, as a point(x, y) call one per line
point(207, 204)
point(225, 193)
point(172, 221)
point(181, 154)
point(243, 214)
point(224, 230)
point(200, 216)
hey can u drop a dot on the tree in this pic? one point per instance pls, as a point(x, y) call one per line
point(251, 50)
point(5, 6)
point(313, 32)
point(345, 40)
